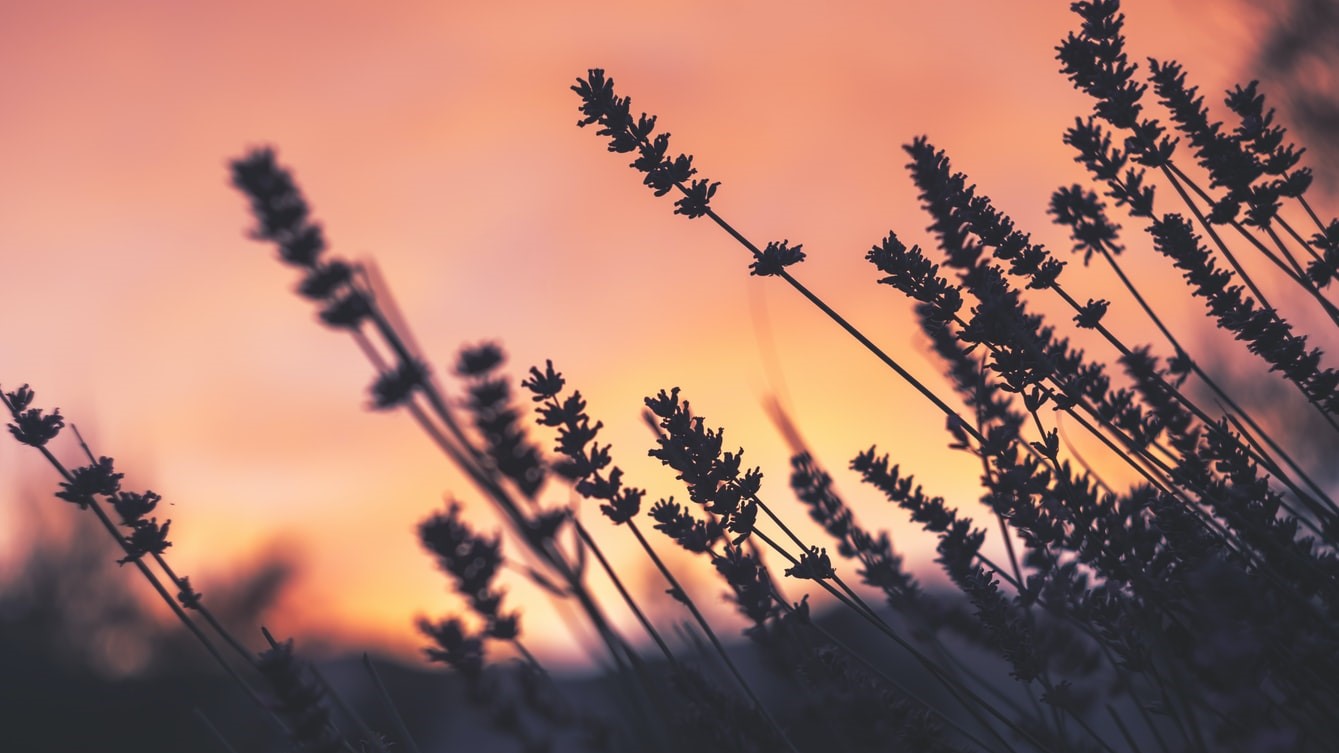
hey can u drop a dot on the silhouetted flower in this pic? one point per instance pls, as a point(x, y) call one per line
point(397, 386)
point(1091, 314)
point(695, 199)
point(97, 478)
point(622, 503)
point(146, 537)
point(187, 596)
point(347, 311)
point(20, 399)
point(1229, 165)
point(662, 178)
point(661, 172)
point(279, 207)
point(454, 647)
point(1266, 335)
point(545, 384)
point(543, 526)
point(713, 477)
point(1095, 62)
point(582, 457)
point(505, 627)
point(953, 203)
point(748, 580)
point(324, 279)
point(678, 523)
point(597, 97)
point(479, 360)
point(300, 699)
point(1258, 132)
point(132, 506)
point(776, 257)
point(881, 567)
point(489, 403)
point(1082, 212)
point(742, 522)
point(1325, 269)
point(813, 565)
point(911, 273)
point(471, 560)
point(35, 428)
point(1106, 163)
point(584, 460)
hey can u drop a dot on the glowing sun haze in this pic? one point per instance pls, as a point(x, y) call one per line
point(438, 139)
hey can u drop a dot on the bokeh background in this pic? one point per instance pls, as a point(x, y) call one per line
point(439, 140)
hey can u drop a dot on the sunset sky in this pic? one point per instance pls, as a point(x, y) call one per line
point(439, 140)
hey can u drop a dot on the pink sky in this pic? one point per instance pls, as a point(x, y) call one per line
point(439, 140)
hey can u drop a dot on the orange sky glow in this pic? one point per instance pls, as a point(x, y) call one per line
point(439, 140)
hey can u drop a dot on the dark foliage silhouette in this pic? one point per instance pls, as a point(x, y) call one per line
point(1191, 610)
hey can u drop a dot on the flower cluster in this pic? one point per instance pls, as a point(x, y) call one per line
point(882, 568)
point(454, 646)
point(489, 402)
point(952, 202)
point(714, 480)
point(1083, 213)
point(301, 700)
point(677, 522)
point(394, 387)
point(473, 562)
point(776, 257)
point(283, 218)
point(98, 478)
point(713, 477)
point(584, 460)
point(31, 426)
point(1258, 133)
point(1324, 269)
point(84, 485)
point(146, 536)
point(663, 173)
point(1264, 332)
point(959, 547)
point(1232, 164)
point(1096, 63)
point(1111, 164)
